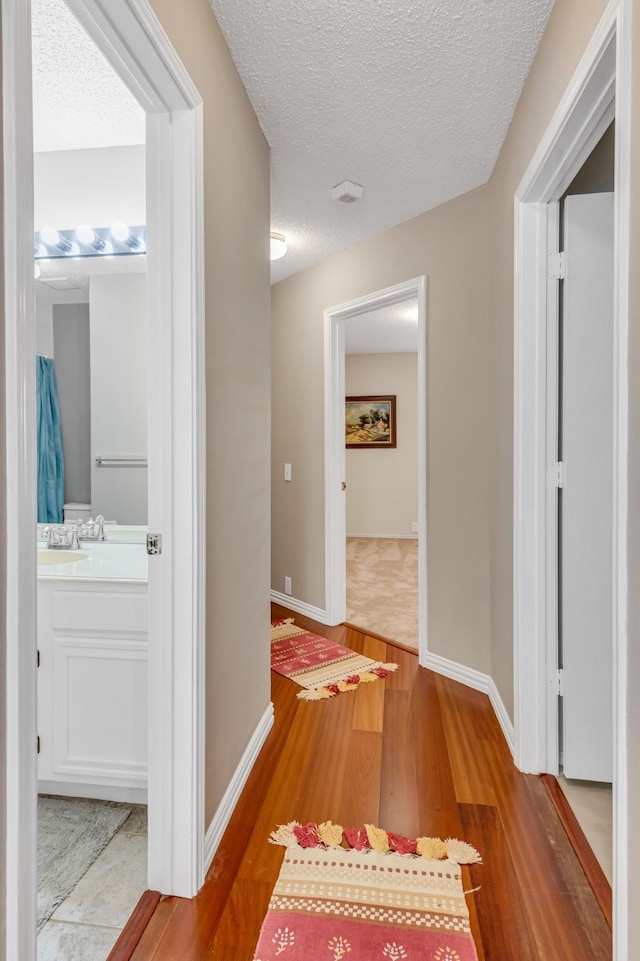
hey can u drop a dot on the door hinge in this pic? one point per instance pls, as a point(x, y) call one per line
point(154, 543)
point(556, 682)
point(344, 485)
point(38, 744)
point(37, 658)
point(556, 474)
point(557, 266)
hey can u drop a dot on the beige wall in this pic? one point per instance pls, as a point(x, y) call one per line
point(236, 165)
point(382, 485)
point(449, 245)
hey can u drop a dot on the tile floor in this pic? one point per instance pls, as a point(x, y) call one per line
point(88, 923)
point(591, 802)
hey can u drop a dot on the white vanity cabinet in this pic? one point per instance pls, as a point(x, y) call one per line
point(92, 688)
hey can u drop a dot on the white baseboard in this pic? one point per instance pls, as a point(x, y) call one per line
point(300, 607)
point(479, 682)
point(392, 537)
point(226, 807)
point(501, 713)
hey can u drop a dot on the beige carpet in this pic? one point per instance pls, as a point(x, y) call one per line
point(382, 586)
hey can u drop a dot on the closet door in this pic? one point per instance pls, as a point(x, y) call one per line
point(587, 495)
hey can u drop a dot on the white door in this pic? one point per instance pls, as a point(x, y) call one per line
point(586, 525)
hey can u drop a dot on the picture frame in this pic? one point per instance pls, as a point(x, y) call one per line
point(370, 421)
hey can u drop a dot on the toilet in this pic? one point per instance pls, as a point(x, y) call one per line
point(76, 512)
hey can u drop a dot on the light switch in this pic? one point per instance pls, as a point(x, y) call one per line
point(287, 472)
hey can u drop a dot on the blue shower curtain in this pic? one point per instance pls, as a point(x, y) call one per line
point(50, 460)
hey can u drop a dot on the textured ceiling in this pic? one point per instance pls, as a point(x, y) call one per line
point(386, 330)
point(411, 99)
point(78, 100)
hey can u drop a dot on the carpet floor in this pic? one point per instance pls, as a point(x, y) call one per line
point(71, 834)
point(382, 587)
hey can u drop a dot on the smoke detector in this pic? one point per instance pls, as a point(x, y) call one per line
point(347, 192)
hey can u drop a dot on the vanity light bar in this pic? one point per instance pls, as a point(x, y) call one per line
point(119, 240)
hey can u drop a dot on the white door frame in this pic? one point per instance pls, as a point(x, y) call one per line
point(600, 88)
point(334, 448)
point(130, 36)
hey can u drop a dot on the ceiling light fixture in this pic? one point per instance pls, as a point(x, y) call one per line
point(278, 246)
point(123, 235)
point(87, 236)
point(52, 238)
point(85, 241)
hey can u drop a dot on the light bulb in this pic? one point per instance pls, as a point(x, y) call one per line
point(50, 236)
point(278, 246)
point(120, 232)
point(85, 234)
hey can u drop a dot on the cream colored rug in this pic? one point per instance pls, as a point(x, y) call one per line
point(382, 587)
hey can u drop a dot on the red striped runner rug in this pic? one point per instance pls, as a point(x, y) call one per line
point(317, 664)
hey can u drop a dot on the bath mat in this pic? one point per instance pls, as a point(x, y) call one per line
point(384, 898)
point(71, 834)
point(319, 665)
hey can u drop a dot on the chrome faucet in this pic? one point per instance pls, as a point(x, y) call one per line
point(61, 538)
point(93, 530)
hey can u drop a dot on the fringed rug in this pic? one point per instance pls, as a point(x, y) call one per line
point(385, 898)
point(319, 665)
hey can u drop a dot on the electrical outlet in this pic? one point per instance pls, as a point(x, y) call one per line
point(287, 585)
point(414, 527)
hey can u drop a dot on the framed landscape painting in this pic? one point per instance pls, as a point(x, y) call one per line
point(370, 421)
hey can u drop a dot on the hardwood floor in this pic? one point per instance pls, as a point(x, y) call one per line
point(416, 754)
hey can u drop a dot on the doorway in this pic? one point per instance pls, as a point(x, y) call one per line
point(337, 321)
point(134, 43)
point(599, 90)
point(381, 471)
point(91, 334)
point(583, 333)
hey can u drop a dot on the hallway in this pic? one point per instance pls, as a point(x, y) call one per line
point(415, 754)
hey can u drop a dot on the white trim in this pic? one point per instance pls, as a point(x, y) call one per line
point(478, 682)
point(502, 715)
point(584, 111)
point(300, 607)
point(623, 175)
point(135, 44)
point(582, 116)
point(383, 537)
point(20, 625)
point(231, 796)
point(334, 449)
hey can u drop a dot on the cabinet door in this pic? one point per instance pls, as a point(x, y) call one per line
point(100, 711)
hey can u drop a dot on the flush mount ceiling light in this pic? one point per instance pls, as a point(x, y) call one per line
point(278, 246)
point(116, 241)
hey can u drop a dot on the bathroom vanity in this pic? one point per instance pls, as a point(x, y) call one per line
point(92, 673)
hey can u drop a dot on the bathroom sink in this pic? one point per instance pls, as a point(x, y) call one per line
point(49, 557)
